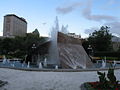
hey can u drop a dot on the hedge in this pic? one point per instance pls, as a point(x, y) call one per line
point(107, 54)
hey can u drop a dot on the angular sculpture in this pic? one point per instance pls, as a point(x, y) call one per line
point(71, 52)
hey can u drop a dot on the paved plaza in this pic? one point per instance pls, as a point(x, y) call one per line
point(35, 80)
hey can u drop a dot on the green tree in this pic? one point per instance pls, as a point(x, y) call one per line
point(101, 39)
point(7, 45)
point(29, 40)
point(36, 32)
point(0, 45)
point(20, 46)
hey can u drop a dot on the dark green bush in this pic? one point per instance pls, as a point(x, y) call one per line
point(107, 54)
point(109, 82)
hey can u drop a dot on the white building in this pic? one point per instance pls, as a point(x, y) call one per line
point(116, 43)
point(14, 26)
point(74, 35)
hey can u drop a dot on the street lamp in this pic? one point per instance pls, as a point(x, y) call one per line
point(34, 46)
point(33, 55)
point(90, 50)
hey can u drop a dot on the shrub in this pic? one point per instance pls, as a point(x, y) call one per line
point(108, 82)
point(107, 54)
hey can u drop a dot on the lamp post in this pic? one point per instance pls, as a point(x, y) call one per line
point(90, 50)
point(33, 53)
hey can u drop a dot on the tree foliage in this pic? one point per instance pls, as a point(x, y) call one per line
point(101, 39)
point(19, 46)
point(36, 32)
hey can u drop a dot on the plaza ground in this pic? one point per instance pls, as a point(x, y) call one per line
point(35, 80)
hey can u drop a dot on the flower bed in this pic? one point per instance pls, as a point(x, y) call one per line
point(105, 83)
point(96, 86)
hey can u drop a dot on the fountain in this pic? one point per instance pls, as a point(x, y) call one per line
point(22, 65)
point(66, 51)
point(4, 60)
point(45, 62)
point(103, 63)
point(25, 57)
point(13, 65)
point(64, 29)
point(40, 65)
point(75, 67)
point(53, 50)
point(28, 65)
point(114, 63)
point(56, 67)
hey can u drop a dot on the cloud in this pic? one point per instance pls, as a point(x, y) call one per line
point(88, 14)
point(87, 11)
point(114, 27)
point(110, 21)
point(69, 8)
point(88, 31)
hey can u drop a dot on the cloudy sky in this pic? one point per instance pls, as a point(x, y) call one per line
point(81, 16)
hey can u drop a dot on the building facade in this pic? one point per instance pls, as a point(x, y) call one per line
point(74, 35)
point(116, 43)
point(14, 26)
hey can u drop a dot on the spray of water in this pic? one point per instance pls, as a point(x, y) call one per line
point(53, 50)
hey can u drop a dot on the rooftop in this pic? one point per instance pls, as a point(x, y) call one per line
point(21, 18)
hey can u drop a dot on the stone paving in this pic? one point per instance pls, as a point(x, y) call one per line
point(35, 80)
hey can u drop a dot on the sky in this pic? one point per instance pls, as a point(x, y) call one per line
point(81, 16)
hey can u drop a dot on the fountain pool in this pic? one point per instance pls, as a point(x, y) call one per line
point(18, 64)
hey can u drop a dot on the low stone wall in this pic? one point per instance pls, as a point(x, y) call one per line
point(59, 70)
